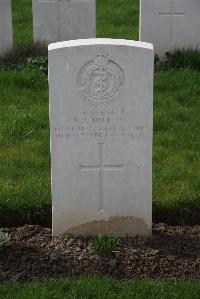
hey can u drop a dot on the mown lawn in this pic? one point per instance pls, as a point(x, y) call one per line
point(94, 288)
point(176, 171)
point(22, 22)
point(24, 130)
point(118, 18)
point(24, 142)
point(25, 195)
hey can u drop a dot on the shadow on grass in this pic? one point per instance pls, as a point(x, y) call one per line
point(19, 54)
point(180, 59)
point(181, 214)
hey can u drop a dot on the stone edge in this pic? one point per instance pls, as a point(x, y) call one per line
point(100, 41)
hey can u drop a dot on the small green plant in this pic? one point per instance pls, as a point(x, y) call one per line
point(5, 239)
point(105, 245)
point(33, 57)
point(40, 63)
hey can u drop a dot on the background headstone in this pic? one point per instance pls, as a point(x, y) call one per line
point(6, 33)
point(58, 20)
point(170, 24)
point(101, 107)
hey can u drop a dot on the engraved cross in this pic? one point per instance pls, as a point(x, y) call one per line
point(101, 167)
point(172, 14)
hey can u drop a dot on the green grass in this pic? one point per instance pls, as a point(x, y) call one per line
point(118, 19)
point(22, 22)
point(181, 58)
point(25, 160)
point(176, 171)
point(24, 130)
point(95, 287)
point(24, 143)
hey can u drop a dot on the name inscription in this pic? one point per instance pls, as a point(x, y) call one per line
point(100, 124)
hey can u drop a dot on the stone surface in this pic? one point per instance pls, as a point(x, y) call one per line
point(101, 106)
point(6, 35)
point(170, 24)
point(59, 20)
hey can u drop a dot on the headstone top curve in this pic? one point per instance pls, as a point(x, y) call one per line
point(101, 126)
point(100, 41)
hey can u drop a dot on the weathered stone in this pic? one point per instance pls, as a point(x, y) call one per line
point(6, 34)
point(170, 24)
point(59, 20)
point(101, 107)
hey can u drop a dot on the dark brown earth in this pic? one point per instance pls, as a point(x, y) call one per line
point(173, 252)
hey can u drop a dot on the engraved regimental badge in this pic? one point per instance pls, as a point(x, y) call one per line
point(101, 79)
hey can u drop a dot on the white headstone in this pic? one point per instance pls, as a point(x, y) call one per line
point(170, 24)
point(58, 20)
point(101, 107)
point(6, 35)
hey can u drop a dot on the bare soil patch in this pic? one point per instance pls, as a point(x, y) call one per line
point(172, 252)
